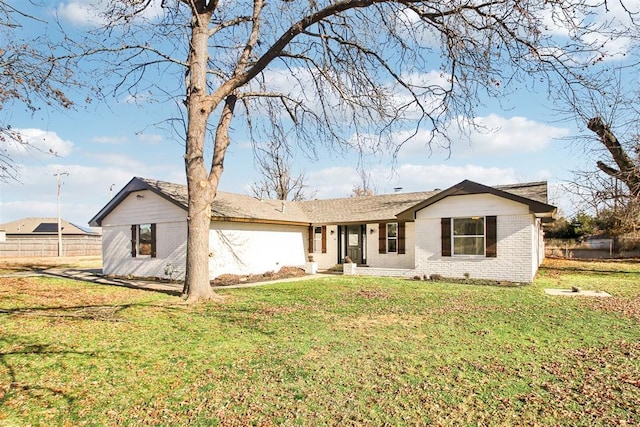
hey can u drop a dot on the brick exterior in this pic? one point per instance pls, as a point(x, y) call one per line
point(243, 247)
point(518, 239)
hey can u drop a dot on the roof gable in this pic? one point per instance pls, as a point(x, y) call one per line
point(536, 207)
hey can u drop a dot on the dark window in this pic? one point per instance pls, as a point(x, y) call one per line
point(392, 237)
point(143, 240)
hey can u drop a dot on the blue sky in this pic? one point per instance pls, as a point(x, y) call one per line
point(103, 146)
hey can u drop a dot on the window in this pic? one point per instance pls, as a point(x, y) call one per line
point(317, 239)
point(392, 237)
point(468, 236)
point(143, 241)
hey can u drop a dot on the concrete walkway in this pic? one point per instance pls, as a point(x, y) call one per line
point(172, 288)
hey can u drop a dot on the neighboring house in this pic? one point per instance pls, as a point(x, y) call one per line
point(39, 237)
point(466, 230)
point(27, 228)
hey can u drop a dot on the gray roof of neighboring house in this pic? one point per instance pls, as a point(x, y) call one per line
point(238, 207)
point(43, 227)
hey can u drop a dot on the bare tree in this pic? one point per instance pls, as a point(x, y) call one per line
point(31, 76)
point(278, 180)
point(610, 188)
point(364, 188)
point(340, 75)
point(628, 166)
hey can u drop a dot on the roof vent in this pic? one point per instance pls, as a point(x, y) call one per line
point(283, 206)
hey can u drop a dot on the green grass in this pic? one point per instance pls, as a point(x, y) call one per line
point(336, 351)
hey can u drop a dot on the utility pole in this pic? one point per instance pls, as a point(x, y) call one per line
point(58, 175)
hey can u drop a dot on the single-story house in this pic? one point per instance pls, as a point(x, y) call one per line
point(467, 230)
point(38, 237)
point(27, 228)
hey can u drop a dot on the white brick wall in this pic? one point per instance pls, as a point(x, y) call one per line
point(513, 262)
point(170, 248)
point(171, 236)
point(391, 260)
point(517, 248)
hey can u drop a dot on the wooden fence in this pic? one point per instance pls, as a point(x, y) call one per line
point(48, 247)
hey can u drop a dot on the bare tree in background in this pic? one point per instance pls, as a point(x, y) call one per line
point(31, 76)
point(339, 75)
point(278, 180)
point(611, 189)
point(364, 187)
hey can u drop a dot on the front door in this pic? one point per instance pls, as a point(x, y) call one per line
point(354, 243)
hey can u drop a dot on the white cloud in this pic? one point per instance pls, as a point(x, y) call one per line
point(93, 12)
point(339, 181)
point(511, 135)
point(493, 135)
point(37, 144)
point(122, 161)
point(81, 12)
point(333, 182)
point(413, 177)
point(151, 138)
point(109, 139)
point(411, 25)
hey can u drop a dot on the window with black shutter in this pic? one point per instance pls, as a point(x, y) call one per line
point(143, 241)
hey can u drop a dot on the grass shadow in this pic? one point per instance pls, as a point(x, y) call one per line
point(95, 276)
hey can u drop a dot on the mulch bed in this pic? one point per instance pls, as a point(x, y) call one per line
point(235, 279)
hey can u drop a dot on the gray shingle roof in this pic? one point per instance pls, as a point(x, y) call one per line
point(362, 209)
point(231, 206)
point(234, 206)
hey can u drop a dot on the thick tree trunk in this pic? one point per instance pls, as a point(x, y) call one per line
point(628, 172)
point(200, 190)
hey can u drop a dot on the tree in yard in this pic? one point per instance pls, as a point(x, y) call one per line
point(30, 76)
point(278, 180)
point(339, 75)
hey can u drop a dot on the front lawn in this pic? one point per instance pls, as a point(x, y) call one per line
point(334, 351)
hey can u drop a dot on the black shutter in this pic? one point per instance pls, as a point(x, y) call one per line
point(401, 249)
point(324, 239)
point(382, 238)
point(153, 240)
point(311, 237)
point(134, 243)
point(445, 226)
point(491, 237)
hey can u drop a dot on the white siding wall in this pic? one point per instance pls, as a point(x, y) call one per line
point(245, 248)
point(171, 237)
point(391, 260)
point(515, 229)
